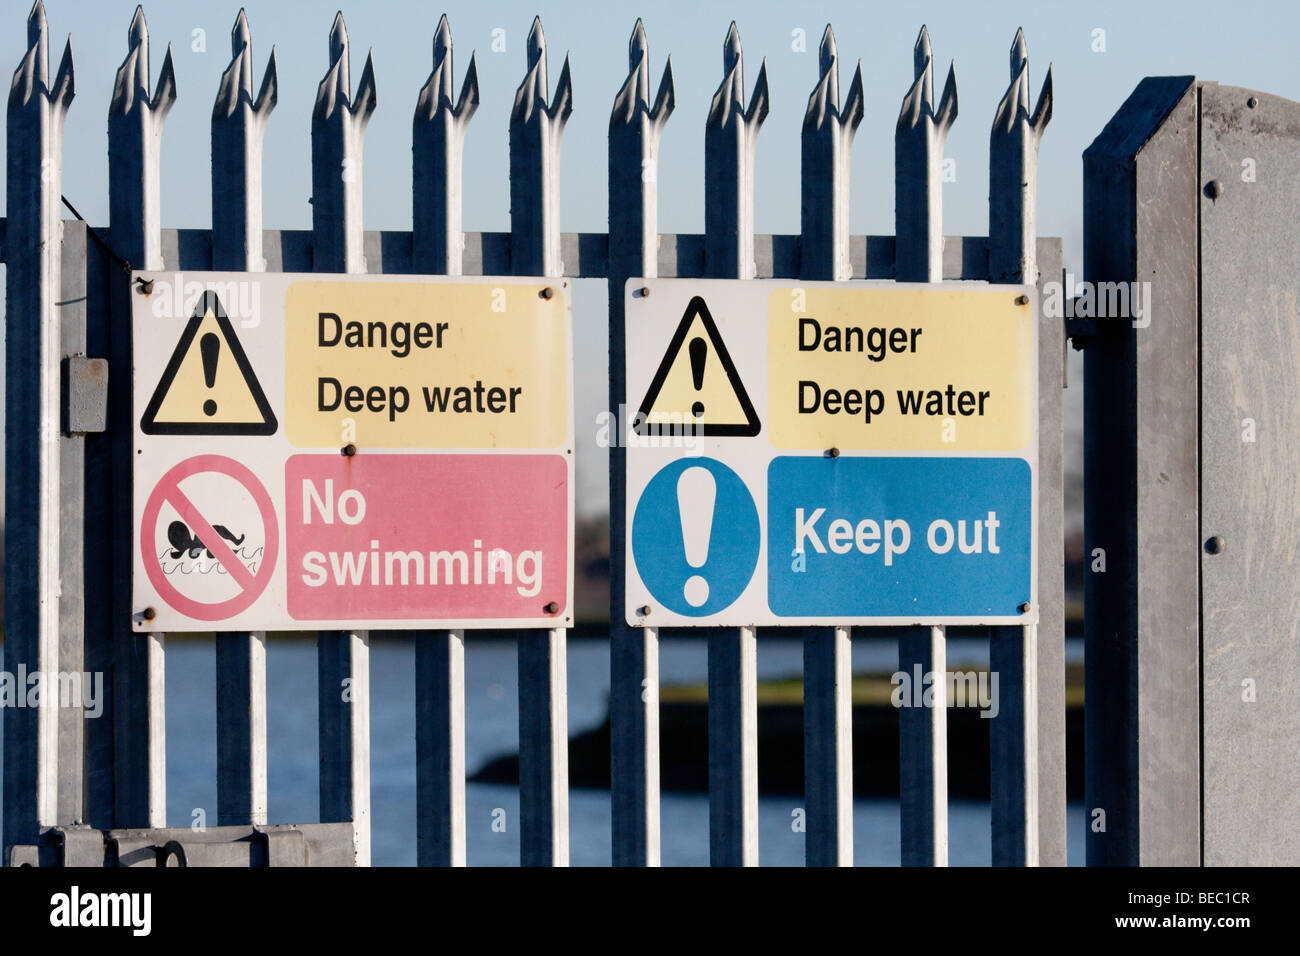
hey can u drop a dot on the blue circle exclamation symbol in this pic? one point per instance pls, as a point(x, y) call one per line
point(695, 536)
point(697, 493)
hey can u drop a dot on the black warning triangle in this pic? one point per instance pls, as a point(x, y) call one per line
point(697, 386)
point(208, 386)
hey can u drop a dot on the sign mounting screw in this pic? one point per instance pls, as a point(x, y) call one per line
point(547, 293)
point(148, 614)
point(1215, 545)
point(551, 607)
point(1026, 607)
point(348, 450)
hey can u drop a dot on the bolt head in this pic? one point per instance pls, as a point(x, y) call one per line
point(148, 614)
point(1026, 607)
point(1022, 300)
point(1252, 102)
point(833, 453)
point(1214, 189)
point(551, 607)
point(1215, 545)
point(547, 293)
point(643, 610)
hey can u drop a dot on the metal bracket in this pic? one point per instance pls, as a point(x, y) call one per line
point(23, 855)
point(85, 395)
point(1081, 331)
point(307, 844)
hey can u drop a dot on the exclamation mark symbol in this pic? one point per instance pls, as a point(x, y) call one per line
point(696, 493)
point(699, 353)
point(209, 349)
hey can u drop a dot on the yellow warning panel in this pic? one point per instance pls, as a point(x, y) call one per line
point(906, 369)
point(696, 383)
point(426, 365)
point(208, 386)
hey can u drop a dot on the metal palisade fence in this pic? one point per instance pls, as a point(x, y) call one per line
point(94, 791)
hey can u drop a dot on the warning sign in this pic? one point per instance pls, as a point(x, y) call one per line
point(208, 386)
point(905, 368)
point(209, 537)
point(477, 364)
point(328, 452)
point(696, 384)
point(893, 477)
point(358, 546)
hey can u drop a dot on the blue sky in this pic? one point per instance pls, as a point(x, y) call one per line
point(1245, 44)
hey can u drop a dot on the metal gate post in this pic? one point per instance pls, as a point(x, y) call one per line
point(135, 124)
point(827, 144)
point(238, 125)
point(34, 448)
point(343, 657)
point(1027, 739)
point(635, 128)
point(536, 125)
point(437, 246)
point(922, 130)
point(730, 139)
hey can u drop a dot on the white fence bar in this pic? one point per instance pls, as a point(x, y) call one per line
point(827, 143)
point(437, 246)
point(635, 128)
point(730, 137)
point(135, 124)
point(1013, 651)
point(33, 358)
point(343, 657)
point(238, 125)
point(919, 139)
point(536, 125)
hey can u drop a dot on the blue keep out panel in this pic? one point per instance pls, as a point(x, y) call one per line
point(930, 537)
